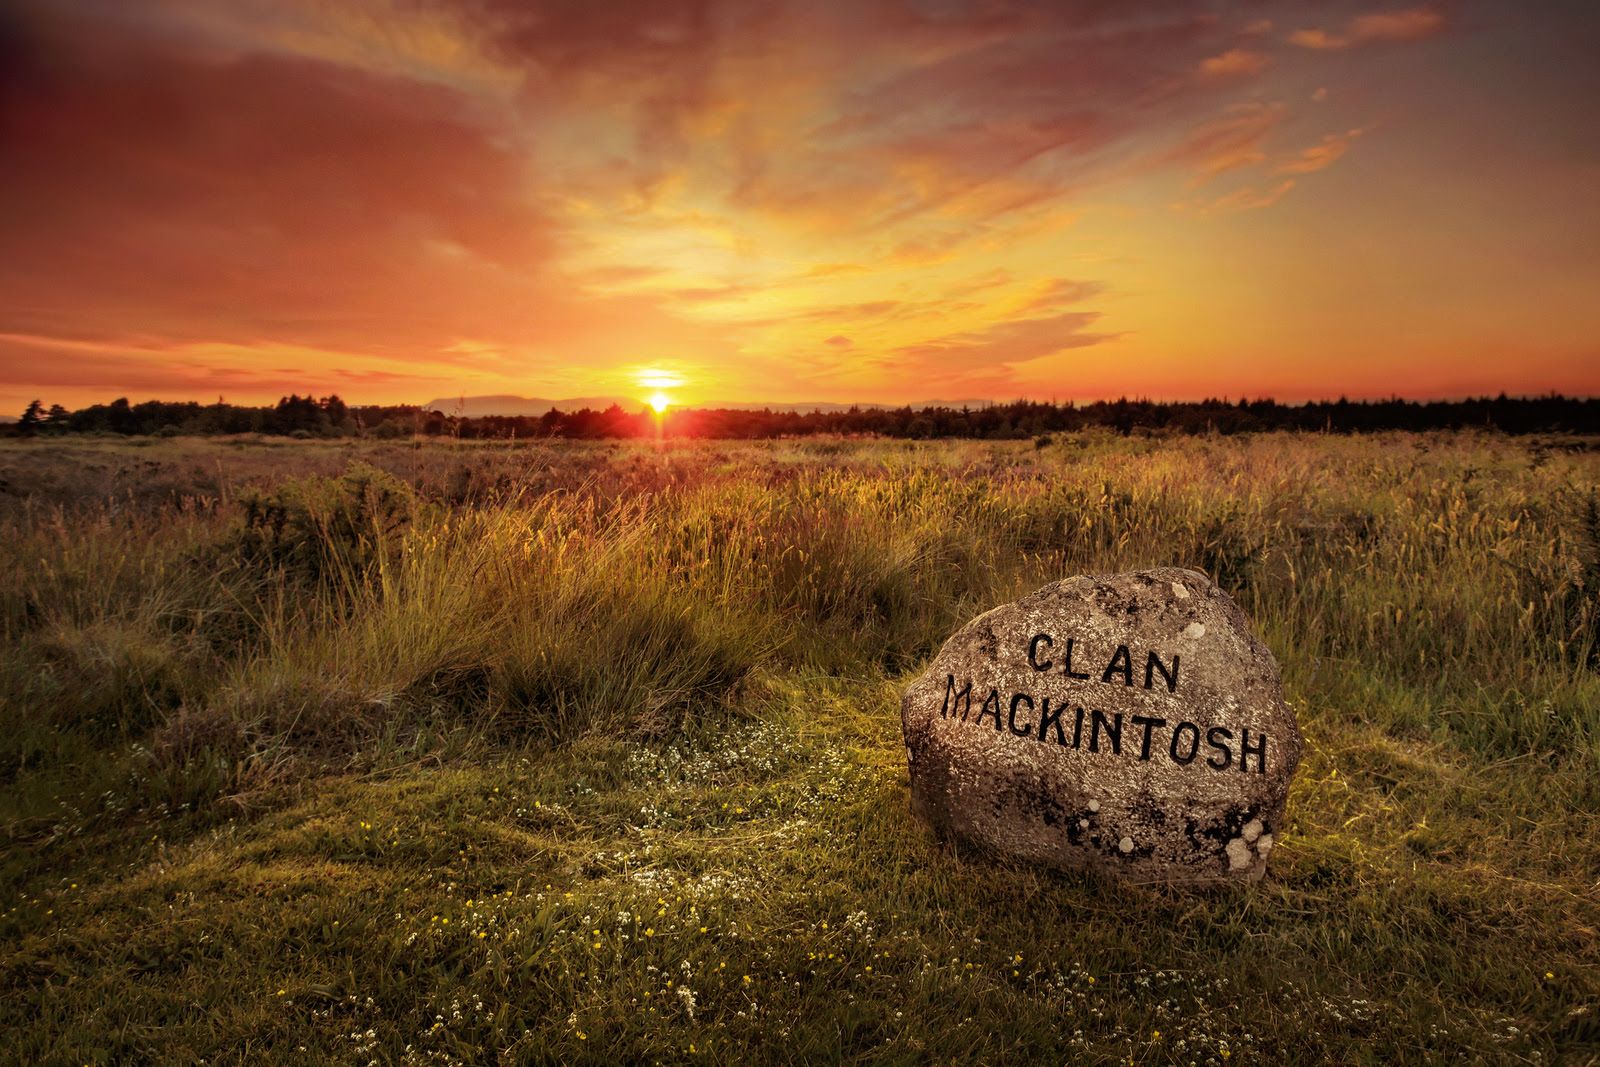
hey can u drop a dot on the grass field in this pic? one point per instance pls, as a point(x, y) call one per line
point(453, 753)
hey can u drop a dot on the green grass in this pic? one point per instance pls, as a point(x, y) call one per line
point(565, 752)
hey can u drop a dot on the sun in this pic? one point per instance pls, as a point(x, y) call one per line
point(659, 402)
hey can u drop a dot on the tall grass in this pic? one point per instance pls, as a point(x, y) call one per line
point(305, 618)
point(271, 715)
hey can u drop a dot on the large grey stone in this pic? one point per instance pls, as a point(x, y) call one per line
point(1127, 723)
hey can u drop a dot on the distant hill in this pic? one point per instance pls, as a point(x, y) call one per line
point(476, 407)
point(863, 405)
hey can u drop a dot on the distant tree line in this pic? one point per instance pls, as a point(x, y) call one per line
point(329, 416)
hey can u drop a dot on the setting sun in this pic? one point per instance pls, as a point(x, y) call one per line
point(659, 402)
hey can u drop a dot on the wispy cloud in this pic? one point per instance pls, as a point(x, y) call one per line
point(1234, 63)
point(1319, 156)
point(1002, 344)
point(1231, 141)
point(1406, 25)
point(1249, 198)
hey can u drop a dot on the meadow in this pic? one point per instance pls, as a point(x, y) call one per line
point(477, 752)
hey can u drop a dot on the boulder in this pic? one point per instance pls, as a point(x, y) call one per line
point(1126, 723)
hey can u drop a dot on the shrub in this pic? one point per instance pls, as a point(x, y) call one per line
point(389, 431)
point(319, 527)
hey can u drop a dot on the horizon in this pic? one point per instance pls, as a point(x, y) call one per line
point(868, 203)
point(644, 404)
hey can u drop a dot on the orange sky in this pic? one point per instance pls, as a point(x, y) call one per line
point(878, 200)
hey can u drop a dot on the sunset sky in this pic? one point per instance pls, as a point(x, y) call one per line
point(874, 200)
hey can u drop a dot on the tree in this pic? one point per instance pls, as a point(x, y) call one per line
point(32, 418)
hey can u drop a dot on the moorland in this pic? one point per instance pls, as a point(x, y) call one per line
point(473, 752)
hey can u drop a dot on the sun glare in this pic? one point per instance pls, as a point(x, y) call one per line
point(659, 381)
point(655, 378)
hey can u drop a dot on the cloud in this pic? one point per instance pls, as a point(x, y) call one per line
point(1411, 24)
point(1321, 155)
point(519, 191)
point(158, 189)
point(1231, 141)
point(186, 192)
point(712, 294)
point(1234, 63)
point(197, 369)
point(1058, 293)
point(621, 275)
point(1248, 198)
point(1002, 344)
point(1407, 25)
point(1235, 143)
